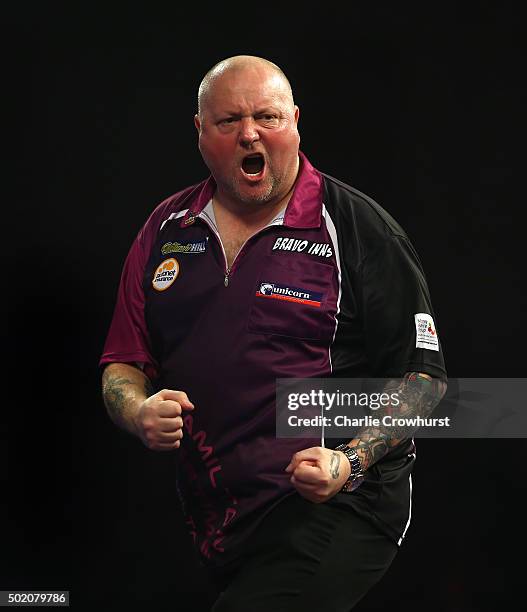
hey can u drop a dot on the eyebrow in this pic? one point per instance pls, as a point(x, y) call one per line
point(261, 111)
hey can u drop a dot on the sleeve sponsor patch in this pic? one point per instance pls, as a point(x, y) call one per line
point(425, 330)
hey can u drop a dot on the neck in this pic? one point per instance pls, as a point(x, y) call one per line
point(254, 214)
point(251, 215)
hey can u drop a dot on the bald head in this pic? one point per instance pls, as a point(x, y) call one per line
point(248, 136)
point(240, 63)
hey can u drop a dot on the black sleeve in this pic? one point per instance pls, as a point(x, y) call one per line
point(399, 325)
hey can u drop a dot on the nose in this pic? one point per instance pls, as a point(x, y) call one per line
point(248, 131)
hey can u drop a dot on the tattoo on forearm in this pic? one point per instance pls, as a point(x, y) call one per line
point(418, 396)
point(334, 465)
point(113, 393)
point(149, 389)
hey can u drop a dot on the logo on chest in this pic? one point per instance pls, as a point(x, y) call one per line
point(295, 245)
point(189, 247)
point(290, 294)
point(165, 274)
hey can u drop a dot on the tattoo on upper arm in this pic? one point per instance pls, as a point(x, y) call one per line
point(334, 465)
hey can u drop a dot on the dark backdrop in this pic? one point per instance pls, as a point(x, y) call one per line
point(421, 112)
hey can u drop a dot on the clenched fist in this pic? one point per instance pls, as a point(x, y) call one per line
point(159, 422)
point(318, 473)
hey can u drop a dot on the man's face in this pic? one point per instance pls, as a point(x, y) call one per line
point(248, 135)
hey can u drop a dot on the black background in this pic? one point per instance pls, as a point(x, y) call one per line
point(420, 111)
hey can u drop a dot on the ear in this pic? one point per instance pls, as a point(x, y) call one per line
point(197, 122)
point(297, 114)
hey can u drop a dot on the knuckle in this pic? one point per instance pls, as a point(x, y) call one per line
point(148, 425)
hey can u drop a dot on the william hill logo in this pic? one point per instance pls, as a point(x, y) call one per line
point(290, 294)
point(189, 247)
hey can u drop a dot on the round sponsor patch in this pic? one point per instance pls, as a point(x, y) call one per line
point(165, 274)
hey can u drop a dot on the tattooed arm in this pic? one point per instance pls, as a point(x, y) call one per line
point(418, 395)
point(132, 405)
point(319, 473)
point(124, 389)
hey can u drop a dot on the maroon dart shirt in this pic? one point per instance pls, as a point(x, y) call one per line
point(329, 288)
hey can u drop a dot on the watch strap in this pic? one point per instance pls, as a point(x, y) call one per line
point(357, 475)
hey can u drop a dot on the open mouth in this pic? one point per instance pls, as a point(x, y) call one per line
point(253, 164)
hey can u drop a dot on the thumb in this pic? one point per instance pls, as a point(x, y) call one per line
point(178, 396)
point(292, 466)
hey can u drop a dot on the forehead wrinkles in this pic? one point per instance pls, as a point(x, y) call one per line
point(247, 89)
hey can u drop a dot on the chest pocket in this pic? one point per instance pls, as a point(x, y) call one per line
point(295, 298)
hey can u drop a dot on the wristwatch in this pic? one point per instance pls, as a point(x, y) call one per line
point(357, 475)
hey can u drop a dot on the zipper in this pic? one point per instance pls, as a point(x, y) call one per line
point(228, 269)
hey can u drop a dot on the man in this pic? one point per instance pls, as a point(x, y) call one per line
point(207, 316)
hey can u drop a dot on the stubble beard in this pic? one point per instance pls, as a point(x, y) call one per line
point(259, 197)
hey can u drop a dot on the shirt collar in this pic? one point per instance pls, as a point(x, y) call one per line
point(304, 209)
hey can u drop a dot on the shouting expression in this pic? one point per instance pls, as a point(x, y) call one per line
point(248, 134)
